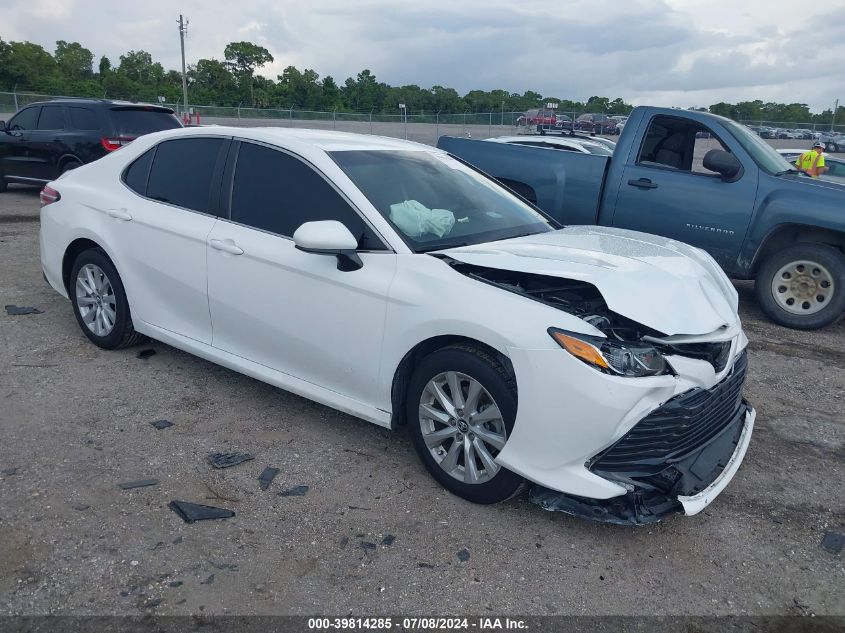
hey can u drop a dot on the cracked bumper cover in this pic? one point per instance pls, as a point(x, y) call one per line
point(676, 459)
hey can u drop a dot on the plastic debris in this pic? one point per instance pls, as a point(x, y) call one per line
point(299, 491)
point(368, 545)
point(8, 472)
point(227, 460)
point(13, 310)
point(175, 583)
point(833, 542)
point(267, 476)
point(141, 483)
point(208, 580)
point(425, 565)
point(80, 507)
point(191, 512)
point(388, 539)
point(463, 555)
point(162, 424)
point(344, 541)
point(144, 354)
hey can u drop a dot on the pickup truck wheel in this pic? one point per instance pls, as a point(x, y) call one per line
point(803, 286)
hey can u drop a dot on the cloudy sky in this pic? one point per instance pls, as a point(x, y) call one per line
point(661, 52)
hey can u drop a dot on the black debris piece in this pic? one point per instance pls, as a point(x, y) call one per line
point(161, 424)
point(144, 354)
point(152, 603)
point(344, 541)
point(227, 460)
point(425, 565)
point(182, 601)
point(267, 476)
point(208, 580)
point(833, 542)
point(463, 555)
point(12, 310)
point(124, 594)
point(388, 539)
point(191, 512)
point(357, 508)
point(8, 472)
point(80, 507)
point(175, 583)
point(157, 545)
point(141, 483)
point(299, 491)
point(177, 540)
point(368, 545)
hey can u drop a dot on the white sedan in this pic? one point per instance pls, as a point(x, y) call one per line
point(391, 281)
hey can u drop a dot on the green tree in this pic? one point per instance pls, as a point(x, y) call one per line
point(105, 66)
point(138, 66)
point(244, 58)
point(28, 66)
point(73, 61)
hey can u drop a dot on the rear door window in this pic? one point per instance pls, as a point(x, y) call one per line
point(52, 118)
point(137, 121)
point(25, 119)
point(276, 192)
point(182, 172)
point(83, 119)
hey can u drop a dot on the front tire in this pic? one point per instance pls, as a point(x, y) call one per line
point(99, 301)
point(803, 286)
point(461, 405)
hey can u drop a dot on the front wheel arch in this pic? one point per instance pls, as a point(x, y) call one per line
point(402, 374)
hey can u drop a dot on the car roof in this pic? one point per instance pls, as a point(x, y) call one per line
point(325, 140)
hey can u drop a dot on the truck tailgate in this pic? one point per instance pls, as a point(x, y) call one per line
point(566, 185)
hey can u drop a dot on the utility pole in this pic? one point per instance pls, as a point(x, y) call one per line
point(833, 118)
point(183, 33)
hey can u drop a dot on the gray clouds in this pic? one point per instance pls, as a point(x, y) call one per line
point(667, 52)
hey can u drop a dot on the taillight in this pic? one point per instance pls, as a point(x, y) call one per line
point(111, 143)
point(49, 196)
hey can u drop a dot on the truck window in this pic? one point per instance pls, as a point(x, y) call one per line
point(677, 144)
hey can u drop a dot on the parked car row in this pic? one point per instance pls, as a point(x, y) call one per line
point(546, 119)
point(44, 140)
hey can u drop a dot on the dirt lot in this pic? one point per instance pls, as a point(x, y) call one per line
point(75, 422)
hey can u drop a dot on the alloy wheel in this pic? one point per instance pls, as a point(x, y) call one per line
point(803, 287)
point(95, 300)
point(462, 427)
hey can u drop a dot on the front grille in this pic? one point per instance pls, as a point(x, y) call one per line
point(681, 426)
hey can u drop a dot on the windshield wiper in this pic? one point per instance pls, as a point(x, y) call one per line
point(441, 247)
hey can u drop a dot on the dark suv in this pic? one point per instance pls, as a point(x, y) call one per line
point(596, 124)
point(44, 140)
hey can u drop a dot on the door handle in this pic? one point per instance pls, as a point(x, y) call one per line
point(119, 214)
point(643, 183)
point(227, 246)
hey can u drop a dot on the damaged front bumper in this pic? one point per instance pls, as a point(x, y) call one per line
point(677, 459)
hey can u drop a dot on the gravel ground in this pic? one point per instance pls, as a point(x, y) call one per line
point(374, 534)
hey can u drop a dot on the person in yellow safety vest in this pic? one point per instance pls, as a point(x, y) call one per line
point(811, 162)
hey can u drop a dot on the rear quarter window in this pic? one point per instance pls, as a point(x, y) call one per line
point(136, 122)
point(83, 119)
point(135, 176)
point(182, 172)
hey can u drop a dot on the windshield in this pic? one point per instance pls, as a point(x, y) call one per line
point(435, 201)
point(595, 148)
point(763, 154)
point(138, 121)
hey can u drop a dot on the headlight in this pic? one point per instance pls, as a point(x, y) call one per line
point(619, 358)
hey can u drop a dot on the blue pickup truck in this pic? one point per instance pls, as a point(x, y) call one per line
point(700, 179)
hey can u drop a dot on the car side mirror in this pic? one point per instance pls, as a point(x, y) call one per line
point(723, 163)
point(329, 237)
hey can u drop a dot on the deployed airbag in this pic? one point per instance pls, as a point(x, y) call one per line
point(414, 218)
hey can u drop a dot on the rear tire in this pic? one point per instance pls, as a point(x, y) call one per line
point(459, 449)
point(803, 286)
point(71, 164)
point(99, 301)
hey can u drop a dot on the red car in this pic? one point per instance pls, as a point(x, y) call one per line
point(538, 116)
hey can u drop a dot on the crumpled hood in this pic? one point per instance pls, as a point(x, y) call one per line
point(658, 282)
